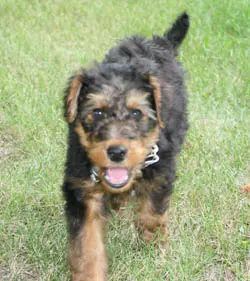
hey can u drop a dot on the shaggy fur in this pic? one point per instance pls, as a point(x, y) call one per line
point(116, 111)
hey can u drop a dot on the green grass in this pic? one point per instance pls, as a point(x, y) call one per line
point(42, 43)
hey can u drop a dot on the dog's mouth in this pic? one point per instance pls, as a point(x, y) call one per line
point(116, 177)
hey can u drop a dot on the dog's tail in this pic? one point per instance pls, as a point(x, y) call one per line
point(176, 34)
point(173, 37)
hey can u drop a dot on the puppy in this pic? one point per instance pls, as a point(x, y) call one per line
point(127, 122)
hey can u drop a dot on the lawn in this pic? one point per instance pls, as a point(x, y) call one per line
point(41, 44)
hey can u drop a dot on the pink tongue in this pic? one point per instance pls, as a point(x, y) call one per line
point(117, 175)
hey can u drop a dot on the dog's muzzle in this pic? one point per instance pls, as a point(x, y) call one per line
point(117, 177)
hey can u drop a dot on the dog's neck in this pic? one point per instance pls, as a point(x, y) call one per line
point(151, 159)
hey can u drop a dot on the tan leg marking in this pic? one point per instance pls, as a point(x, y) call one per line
point(87, 256)
point(153, 225)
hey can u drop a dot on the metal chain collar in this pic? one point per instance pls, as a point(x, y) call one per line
point(152, 156)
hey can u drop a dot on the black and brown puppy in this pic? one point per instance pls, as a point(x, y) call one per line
point(127, 121)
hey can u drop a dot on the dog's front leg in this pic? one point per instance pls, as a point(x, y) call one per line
point(87, 250)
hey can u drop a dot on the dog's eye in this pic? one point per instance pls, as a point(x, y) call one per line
point(98, 114)
point(136, 114)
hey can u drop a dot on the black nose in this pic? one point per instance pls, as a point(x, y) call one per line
point(117, 153)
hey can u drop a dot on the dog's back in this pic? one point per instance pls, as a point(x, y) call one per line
point(160, 49)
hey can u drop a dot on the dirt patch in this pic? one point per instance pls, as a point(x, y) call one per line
point(17, 271)
point(9, 148)
point(213, 273)
point(4, 273)
point(229, 275)
point(4, 148)
point(216, 273)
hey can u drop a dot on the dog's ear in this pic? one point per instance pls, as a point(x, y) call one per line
point(71, 96)
point(178, 31)
point(153, 81)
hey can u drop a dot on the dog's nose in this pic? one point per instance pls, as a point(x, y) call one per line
point(117, 153)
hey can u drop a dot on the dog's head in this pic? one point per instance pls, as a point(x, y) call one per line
point(116, 107)
point(116, 114)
